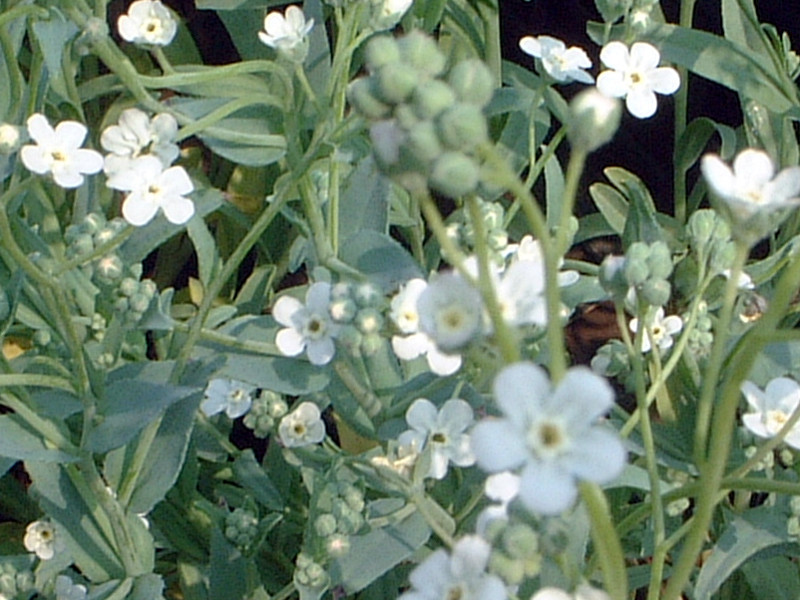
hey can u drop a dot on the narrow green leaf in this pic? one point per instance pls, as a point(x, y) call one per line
point(611, 204)
point(18, 442)
point(383, 260)
point(254, 478)
point(205, 248)
point(364, 201)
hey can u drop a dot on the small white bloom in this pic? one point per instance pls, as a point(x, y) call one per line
point(502, 488)
point(550, 435)
point(661, 329)
point(771, 408)
point(307, 327)
point(405, 315)
point(58, 151)
point(66, 590)
point(561, 63)
point(440, 431)
point(635, 75)
point(151, 187)
point(387, 13)
point(751, 187)
point(10, 138)
point(450, 311)
point(41, 538)
point(147, 22)
point(136, 134)
point(234, 397)
point(287, 34)
point(582, 592)
point(302, 427)
point(461, 575)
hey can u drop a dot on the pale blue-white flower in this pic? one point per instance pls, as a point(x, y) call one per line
point(502, 488)
point(42, 539)
point(634, 74)
point(771, 408)
point(147, 22)
point(136, 134)
point(302, 427)
point(659, 330)
point(67, 590)
point(287, 33)
point(561, 63)
point(58, 151)
point(550, 436)
point(441, 432)
point(582, 592)
point(233, 397)
point(307, 327)
point(450, 311)
point(461, 574)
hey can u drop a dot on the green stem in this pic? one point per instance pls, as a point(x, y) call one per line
point(490, 15)
point(681, 107)
point(606, 541)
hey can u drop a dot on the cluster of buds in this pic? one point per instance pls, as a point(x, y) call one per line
point(645, 268)
point(241, 528)
point(309, 574)
point(359, 309)
point(701, 336)
point(16, 581)
point(709, 237)
point(613, 361)
point(344, 516)
point(134, 295)
point(266, 412)
point(516, 555)
point(425, 128)
point(461, 230)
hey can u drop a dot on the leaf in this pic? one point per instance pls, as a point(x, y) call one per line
point(745, 536)
point(695, 138)
point(364, 201)
point(385, 262)
point(18, 442)
point(774, 578)
point(554, 177)
point(611, 204)
point(53, 37)
point(129, 406)
point(253, 477)
point(228, 569)
point(205, 248)
point(236, 4)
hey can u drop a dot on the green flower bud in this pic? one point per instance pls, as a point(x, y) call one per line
point(42, 337)
point(366, 294)
point(337, 545)
point(139, 302)
point(472, 82)
point(655, 292)
point(700, 228)
point(325, 525)
point(660, 260)
point(110, 268)
point(381, 51)
point(636, 271)
point(497, 239)
point(594, 119)
point(395, 82)
point(83, 244)
point(421, 147)
point(520, 541)
point(421, 52)
point(510, 570)
point(341, 290)
point(121, 305)
point(612, 276)
point(350, 339)
point(454, 174)
point(93, 222)
point(493, 215)
point(128, 286)
point(432, 97)
point(462, 127)
point(722, 257)
point(342, 310)
point(361, 95)
point(369, 320)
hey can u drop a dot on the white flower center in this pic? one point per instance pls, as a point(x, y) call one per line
point(152, 28)
point(636, 79)
point(547, 438)
point(776, 419)
point(452, 319)
point(315, 328)
point(58, 156)
point(457, 592)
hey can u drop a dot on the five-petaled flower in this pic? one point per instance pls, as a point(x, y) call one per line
point(308, 327)
point(147, 22)
point(550, 435)
point(561, 63)
point(441, 433)
point(302, 427)
point(58, 151)
point(150, 187)
point(659, 331)
point(41, 539)
point(635, 75)
point(135, 135)
point(287, 32)
point(771, 408)
point(234, 397)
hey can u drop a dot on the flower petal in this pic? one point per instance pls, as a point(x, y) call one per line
point(519, 389)
point(664, 80)
point(290, 342)
point(598, 455)
point(641, 103)
point(615, 55)
point(137, 211)
point(531, 45)
point(495, 448)
point(546, 489)
point(285, 308)
point(754, 166)
point(422, 415)
point(644, 56)
point(612, 84)
point(321, 351)
point(581, 397)
point(456, 415)
point(718, 175)
point(178, 210)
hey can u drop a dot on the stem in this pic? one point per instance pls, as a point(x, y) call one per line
point(681, 107)
point(606, 541)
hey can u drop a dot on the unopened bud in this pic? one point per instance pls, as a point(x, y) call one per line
point(454, 174)
point(10, 138)
point(472, 82)
point(595, 119)
point(421, 52)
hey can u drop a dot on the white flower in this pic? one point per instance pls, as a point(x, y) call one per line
point(450, 311)
point(137, 134)
point(302, 427)
point(751, 186)
point(58, 151)
point(405, 315)
point(66, 590)
point(151, 187)
point(771, 408)
point(307, 327)
point(551, 435)
point(461, 575)
point(501, 487)
point(583, 592)
point(147, 22)
point(636, 76)
point(441, 432)
point(234, 397)
point(287, 34)
point(41, 538)
point(561, 63)
point(661, 329)
point(10, 138)
point(387, 13)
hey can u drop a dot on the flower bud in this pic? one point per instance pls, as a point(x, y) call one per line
point(421, 147)
point(656, 292)
point(472, 82)
point(395, 82)
point(700, 227)
point(110, 268)
point(462, 127)
point(369, 321)
point(361, 95)
point(659, 262)
point(139, 302)
point(635, 271)
point(325, 525)
point(10, 138)
point(371, 344)
point(421, 53)
point(432, 97)
point(82, 245)
point(128, 286)
point(595, 119)
point(454, 174)
point(342, 310)
point(380, 51)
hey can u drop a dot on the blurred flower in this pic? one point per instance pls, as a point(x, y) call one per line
point(594, 119)
point(751, 186)
point(450, 311)
point(137, 134)
point(387, 13)
point(66, 590)
point(302, 427)
point(307, 326)
point(10, 138)
point(58, 151)
point(582, 592)
point(147, 22)
point(661, 329)
point(635, 75)
point(151, 187)
point(41, 539)
point(501, 487)
point(405, 315)
point(772, 408)
point(440, 431)
point(287, 34)
point(551, 435)
point(561, 63)
point(234, 397)
point(460, 575)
